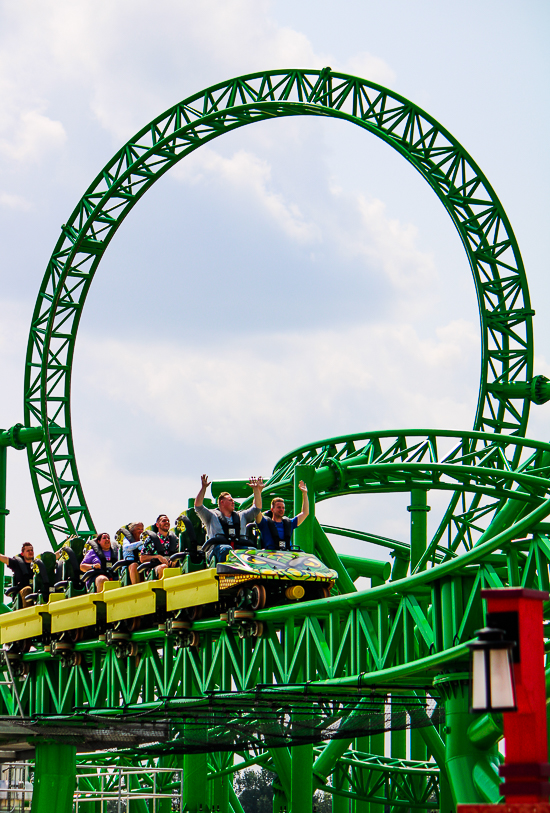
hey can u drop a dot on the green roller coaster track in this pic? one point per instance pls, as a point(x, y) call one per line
point(345, 670)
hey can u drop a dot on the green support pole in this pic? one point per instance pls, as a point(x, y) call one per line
point(377, 745)
point(219, 786)
point(54, 778)
point(328, 555)
point(472, 771)
point(419, 525)
point(164, 780)
point(303, 535)
point(301, 779)
point(134, 805)
point(280, 758)
point(195, 787)
point(280, 802)
point(3, 512)
point(360, 805)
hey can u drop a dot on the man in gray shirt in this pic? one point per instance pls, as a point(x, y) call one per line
point(225, 527)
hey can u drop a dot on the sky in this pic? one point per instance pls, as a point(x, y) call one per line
point(292, 281)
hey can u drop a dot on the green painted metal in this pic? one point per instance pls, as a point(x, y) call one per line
point(409, 630)
point(54, 778)
point(507, 384)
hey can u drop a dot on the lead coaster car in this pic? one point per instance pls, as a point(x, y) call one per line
point(252, 579)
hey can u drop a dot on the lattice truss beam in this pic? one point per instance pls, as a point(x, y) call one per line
point(484, 471)
point(358, 775)
point(505, 310)
point(398, 634)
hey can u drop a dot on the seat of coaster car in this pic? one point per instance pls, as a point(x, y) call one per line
point(43, 568)
point(190, 543)
point(69, 577)
point(148, 568)
point(253, 535)
point(112, 571)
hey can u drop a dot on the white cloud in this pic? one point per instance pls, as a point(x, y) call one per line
point(388, 244)
point(251, 176)
point(234, 409)
point(17, 202)
point(373, 68)
point(128, 67)
point(369, 377)
point(356, 226)
point(31, 136)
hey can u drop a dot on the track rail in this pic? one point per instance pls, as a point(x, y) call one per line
point(506, 382)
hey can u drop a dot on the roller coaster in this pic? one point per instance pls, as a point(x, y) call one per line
point(279, 660)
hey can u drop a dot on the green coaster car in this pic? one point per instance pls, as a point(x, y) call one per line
point(273, 577)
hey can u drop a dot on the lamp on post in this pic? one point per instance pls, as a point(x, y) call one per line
point(492, 672)
point(508, 676)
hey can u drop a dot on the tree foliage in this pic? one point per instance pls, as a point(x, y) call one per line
point(255, 792)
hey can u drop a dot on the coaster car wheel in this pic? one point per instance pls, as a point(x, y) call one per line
point(133, 624)
point(19, 668)
point(194, 613)
point(188, 638)
point(258, 597)
point(251, 629)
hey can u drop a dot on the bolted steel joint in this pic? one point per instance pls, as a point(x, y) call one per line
point(540, 389)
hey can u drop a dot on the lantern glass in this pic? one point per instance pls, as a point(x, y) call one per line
point(480, 680)
point(492, 687)
point(502, 688)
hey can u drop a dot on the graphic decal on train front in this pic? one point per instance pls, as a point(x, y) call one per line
point(292, 565)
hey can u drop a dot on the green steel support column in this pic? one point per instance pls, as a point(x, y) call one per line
point(377, 744)
point(164, 780)
point(419, 525)
point(281, 764)
point(472, 772)
point(400, 567)
point(445, 795)
point(280, 802)
point(360, 805)
point(219, 787)
point(301, 779)
point(54, 778)
point(3, 511)
point(303, 535)
point(398, 737)
point(328, 555)
point(195, 786)
point(134, 805)
point(418, 752)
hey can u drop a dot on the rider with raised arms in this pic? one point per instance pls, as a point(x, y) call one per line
point(276, 529)
point(225, 527)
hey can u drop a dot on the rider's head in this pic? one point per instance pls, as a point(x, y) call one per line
point(226, 503)
point(163, 523)
point(136, 529)
point(103, 540)
point(27, 551)
point(278, 508)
